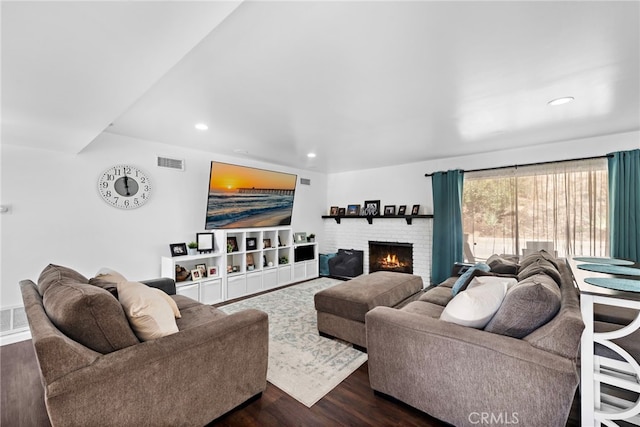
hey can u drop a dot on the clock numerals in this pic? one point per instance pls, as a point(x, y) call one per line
point(124, 186)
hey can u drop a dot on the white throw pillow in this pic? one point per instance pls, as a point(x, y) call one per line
point(150, 311)
point(476, 306)
point(483, 280)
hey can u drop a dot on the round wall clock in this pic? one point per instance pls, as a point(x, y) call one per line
point(124, 186)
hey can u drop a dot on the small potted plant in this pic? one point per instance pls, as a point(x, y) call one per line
point(192, 248)
point(311, 238)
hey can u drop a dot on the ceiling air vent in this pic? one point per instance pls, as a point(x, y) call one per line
point(166, 162)
point(305, 181)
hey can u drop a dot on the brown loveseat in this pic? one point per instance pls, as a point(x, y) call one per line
point(467, 376)
point(105, 376)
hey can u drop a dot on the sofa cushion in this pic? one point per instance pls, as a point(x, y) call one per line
point(89, 315)
point(465, 278)
point(439, 295)
point(540, 266)
point(502, 265)
point(107, 279)
point(541, 254)
point(197, 315)
point(55, 273)
point(424, 308)
point(483, 280)
point(527, 306)
point(476, 306)
point(151, 312)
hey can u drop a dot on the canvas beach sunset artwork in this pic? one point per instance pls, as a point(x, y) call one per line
point(245, 197)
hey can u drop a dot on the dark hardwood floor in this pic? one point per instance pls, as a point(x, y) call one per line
point(352, 403)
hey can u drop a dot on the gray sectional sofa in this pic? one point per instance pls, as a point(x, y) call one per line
point(506, 372)
point(97, 372)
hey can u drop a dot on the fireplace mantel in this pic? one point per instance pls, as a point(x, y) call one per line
point(370, 219)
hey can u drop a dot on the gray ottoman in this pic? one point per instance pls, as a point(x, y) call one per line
point(341, 308)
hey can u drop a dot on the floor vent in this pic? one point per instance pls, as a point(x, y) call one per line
point(166, 162)
point(12, 320)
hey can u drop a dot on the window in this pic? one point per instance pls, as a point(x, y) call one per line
point(561, 207)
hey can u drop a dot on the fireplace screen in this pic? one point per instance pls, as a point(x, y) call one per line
point(390, 256)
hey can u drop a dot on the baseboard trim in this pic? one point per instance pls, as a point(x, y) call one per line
point(14, 338)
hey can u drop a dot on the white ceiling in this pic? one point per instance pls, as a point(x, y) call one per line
point(361, 84)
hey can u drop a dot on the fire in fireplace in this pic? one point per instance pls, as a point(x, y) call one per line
point(390, 256)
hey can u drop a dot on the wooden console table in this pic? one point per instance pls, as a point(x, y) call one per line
point(597, 406)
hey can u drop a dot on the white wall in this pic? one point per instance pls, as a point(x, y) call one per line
point(57, 215)
point(407, 185)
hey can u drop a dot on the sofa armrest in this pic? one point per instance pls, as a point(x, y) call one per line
point(164, 283)
point(187, 378)
point(451, 371)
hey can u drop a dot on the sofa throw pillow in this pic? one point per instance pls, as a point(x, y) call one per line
point(89, 315)
point(502, 265)
point(540, 266)
point(55, 273)
point(148, 309)
point(464, 279)
point(478, 280)
point(476, 306)
point(107, 279)
point(527, 306)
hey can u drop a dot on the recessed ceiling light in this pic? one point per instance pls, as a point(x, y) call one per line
point(560, 101)
point(201, 126)
point(311, 155)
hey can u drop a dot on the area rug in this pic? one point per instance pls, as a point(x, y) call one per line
point(303, 364)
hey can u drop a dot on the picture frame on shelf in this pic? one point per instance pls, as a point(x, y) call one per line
point(342, 211)
point(232, 244)
point(250, 262)
point(252, 243)
point(203, 269)
point(196, 274)
point(205, 242)
point(415, 209)
point(266, 243)
point(178, 249)
point(402, 210)
point(390, 210)
point(333, 211)
point(371, 208)
point(212, 271)
point(353, 210)
point(300, 237)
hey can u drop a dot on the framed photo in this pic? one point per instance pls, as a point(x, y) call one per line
point(333, 211)
point(178, 249)
point(342, 211)
point(232, 244)
point(266, 243)
point(205, 242)
point(212, 271)
point(415, 209)
point(300, 237)
point(250, 262)
point(402, 210)
point(390, 210)
point(353, 210)
point(371, 208)
point(203, 269)
point(252, 243)
point(196, 274)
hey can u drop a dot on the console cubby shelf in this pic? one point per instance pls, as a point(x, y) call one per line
point(252, 266)
point(408, 218)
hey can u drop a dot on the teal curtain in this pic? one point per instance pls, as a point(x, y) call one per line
point(447, 223)
point(624, 204)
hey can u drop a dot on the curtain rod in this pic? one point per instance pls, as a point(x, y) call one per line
point(532, 164)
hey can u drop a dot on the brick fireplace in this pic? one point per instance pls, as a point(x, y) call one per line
point(390, 256)
point(355, 233)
